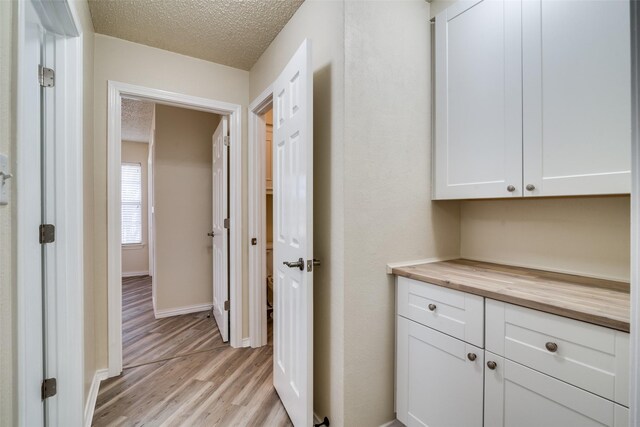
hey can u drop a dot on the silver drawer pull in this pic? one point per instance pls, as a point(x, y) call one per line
point(551, 346)
point(432, 307)
point(471, 356)
point(491, 365)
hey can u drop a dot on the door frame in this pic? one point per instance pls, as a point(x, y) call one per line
point(634, 380)
point(117, 91)
point(65, 320)
point(257, 218)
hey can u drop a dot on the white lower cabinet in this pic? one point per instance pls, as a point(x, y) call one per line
point(517, 396)
point(439, 378)
point(538, 369)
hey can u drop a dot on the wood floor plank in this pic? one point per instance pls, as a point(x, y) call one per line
point(180, 373)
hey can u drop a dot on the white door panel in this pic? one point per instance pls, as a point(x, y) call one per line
point(220, 236)
point(293, 236)
point(577, 97)
point(478, 100)
point(517, 396)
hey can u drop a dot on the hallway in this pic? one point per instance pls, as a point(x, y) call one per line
point(179, 372)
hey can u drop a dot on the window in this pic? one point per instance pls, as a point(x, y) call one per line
point(131, 203)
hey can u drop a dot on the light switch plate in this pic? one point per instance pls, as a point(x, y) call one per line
point(4, 184)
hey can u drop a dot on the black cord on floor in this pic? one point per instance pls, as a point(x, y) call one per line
point(324, 422)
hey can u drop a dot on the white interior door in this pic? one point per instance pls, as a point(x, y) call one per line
point(293, 236)
point(219, 233)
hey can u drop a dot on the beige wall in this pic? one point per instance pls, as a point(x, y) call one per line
point(389, 215)
point(135, 258)
point(182, 193)
point(7, 244)
point(137, 64)
point(588, 236)
point(322, 22)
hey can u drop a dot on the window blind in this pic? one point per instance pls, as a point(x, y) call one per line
point(131, 203)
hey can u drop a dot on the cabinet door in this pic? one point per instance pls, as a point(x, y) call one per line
point(576, 90)
point(437, 383)
point(516, 396)
point(478, 100)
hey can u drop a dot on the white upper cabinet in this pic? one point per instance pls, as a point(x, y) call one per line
point(478, 100)
point(577, 97)
point(532, 94)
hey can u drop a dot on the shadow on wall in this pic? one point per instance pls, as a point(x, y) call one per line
point(322, 226)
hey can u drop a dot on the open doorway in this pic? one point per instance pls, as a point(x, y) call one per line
point(168, 228)
point(167, 205)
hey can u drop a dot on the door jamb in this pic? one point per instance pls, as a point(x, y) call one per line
point(257, 218)
point(65, 329)
point(116, 91)
point(634, 395)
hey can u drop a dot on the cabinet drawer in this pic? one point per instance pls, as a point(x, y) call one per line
point(591, 357)
point(455, 313)
point(439, 378)
point(516, 396)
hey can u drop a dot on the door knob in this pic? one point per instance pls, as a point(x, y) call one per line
point(432, 307)
point(511, 189)
point(295, 264)
point(531, 187)
point(211, 234)
point(471, 356)
point(491, 365)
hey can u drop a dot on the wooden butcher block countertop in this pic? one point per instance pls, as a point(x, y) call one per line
point(597, 301)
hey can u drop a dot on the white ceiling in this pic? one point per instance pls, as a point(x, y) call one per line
point(229, 32)
point(137, 117)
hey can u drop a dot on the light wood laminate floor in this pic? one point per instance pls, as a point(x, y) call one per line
point(178, 372)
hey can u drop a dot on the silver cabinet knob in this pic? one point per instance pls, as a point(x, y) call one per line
point(432, 307)
point(511, 189)
point(551, 346)
point(530, 187)
point(471, 356)
point(491, 365)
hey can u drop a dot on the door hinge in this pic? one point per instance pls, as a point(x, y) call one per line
point(46, 76)
point(254, 241)
point(227, 141)
point(227, 306)
point(47, 233)
point(226, 222)
point(49, 386)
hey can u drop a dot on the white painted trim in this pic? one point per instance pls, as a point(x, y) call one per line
point(64, 329)
point(257, 219)
point(392, 265)
point(134, 274)
point(246, 342)
point(159, 314)
point(634, 375)
point(92, 397)
point(117, 90)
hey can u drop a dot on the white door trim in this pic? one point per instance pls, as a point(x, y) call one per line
point(116, 91)
point(634, 380)
point(65, 328)
point(257, 219)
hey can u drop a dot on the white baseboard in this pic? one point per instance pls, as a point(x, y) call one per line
point(182, 310)
point(246, 342)
point(135, 273)
point(90, 405)
point(393, 423)
point(392, 265)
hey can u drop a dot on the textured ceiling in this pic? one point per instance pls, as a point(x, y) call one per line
point(136, 120)
point(229, 32)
